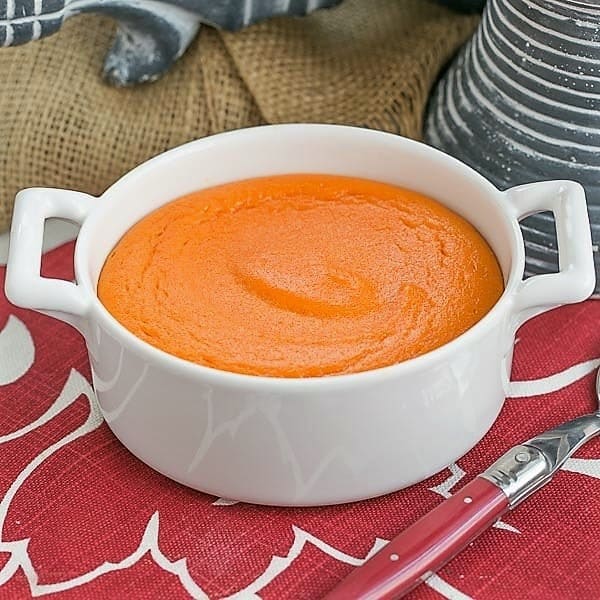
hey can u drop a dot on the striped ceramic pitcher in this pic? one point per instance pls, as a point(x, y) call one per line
point(521, 103)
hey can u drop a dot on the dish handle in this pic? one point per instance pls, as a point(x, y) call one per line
point(24, 285)
point(576, 277)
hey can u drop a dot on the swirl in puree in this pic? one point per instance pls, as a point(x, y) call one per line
point(300, 276)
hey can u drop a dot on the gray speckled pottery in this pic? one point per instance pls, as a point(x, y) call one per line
point(151, 34)
point(522, 103)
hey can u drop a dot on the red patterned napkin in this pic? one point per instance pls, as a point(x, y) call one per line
point(82, 518)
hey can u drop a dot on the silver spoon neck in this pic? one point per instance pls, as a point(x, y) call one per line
point(527, 467)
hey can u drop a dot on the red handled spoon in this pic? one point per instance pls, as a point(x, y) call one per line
point(435, 539)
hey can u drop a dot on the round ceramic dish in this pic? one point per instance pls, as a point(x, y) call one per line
point(300, 441)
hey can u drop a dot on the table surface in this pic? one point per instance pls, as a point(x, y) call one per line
point(82, 518)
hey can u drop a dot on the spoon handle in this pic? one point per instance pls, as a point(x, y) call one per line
point(427, 545)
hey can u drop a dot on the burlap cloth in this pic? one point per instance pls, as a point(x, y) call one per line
point(366, 62)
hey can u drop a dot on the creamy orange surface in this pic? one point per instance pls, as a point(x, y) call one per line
point(300, 276)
